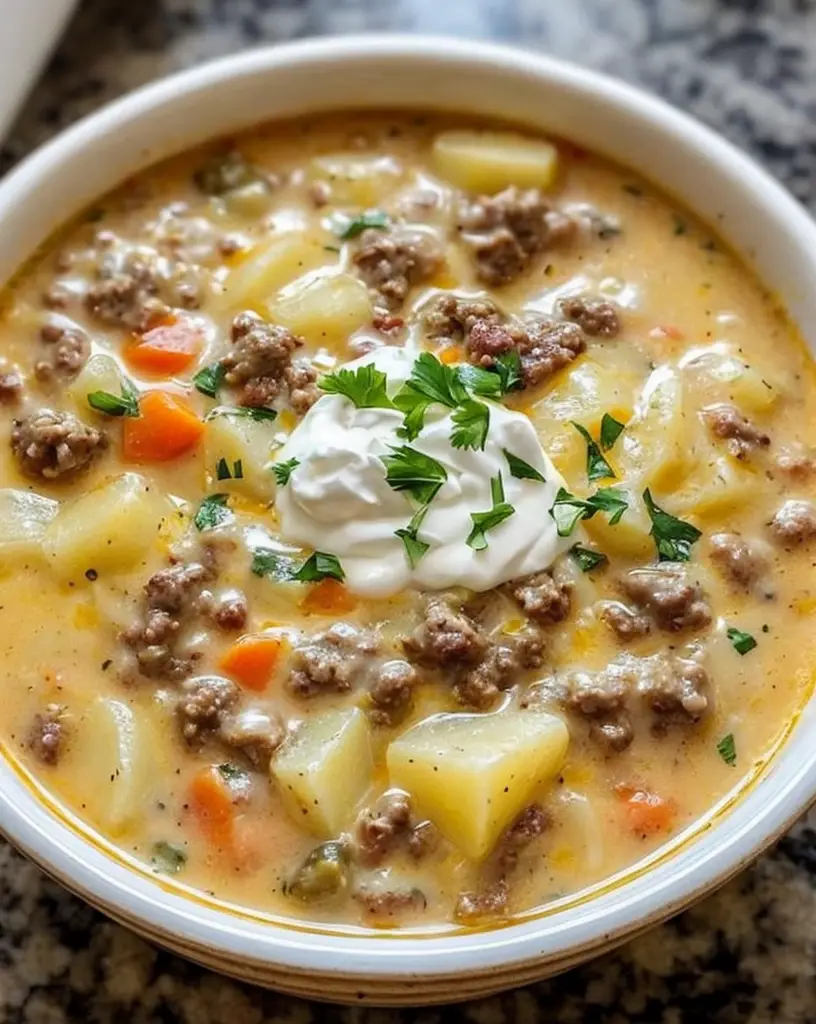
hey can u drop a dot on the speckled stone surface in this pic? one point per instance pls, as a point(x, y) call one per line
point(746, 955)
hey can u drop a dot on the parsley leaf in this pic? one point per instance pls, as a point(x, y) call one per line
point(481, 381)
point(414, 547)
point(168, 858)
point(365, 386)
point(611, 430)
point(251, 412)
point(608, 499)
point(436, 381)
point(741, 642)
point(414, 406)
point(410, 470)
point(568, 510)
point(508, 367)
point(727, 749)
point(236, 777)
point(588, 559)
point(494, 381)
point(597, 468)
point(283, 470)
point(472, 421)
point(351, 227)
point(673, 537)
point(212, 512)
point(112, 405)
point(522, 470)
point(223, 471)
point(267, 562)
point(209, 379)
point(319, 566)
point(484, 521)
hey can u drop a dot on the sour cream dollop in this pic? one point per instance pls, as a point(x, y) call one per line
point(337, 498)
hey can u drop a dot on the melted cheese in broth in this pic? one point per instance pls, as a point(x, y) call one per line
point(261, 659)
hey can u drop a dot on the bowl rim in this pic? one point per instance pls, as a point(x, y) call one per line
point(173, 918)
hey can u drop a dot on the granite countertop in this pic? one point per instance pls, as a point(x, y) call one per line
point(747, 954)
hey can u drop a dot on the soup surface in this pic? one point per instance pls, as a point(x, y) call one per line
point(476, 621)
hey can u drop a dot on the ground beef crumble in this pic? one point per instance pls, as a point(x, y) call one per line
point(391, 691)
point(542, 598)
point(173, 598)
point(504, 232)
point(741, 562)
point(252, 732)
point(136, 286)
point(794, 523)
point(47, 734)
point(391, 263)
point(595, 317)
point(55, 444)
point(447, 636)
point(666, 593)
point(388, 826)
point(501, 666)
point(476, 906)
point(674, 689)
point(626, 623)
point(331, 662)
point(257, 363)
point(203, 702)
point(452, 319)
point(67, 351)
point(726, 422)
point(11, 387)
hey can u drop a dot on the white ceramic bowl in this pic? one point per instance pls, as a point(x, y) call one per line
point(725, 188)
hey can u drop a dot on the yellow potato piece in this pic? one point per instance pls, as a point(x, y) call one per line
point(110, 765)
point(473, 774)
point(485, 161)
point(324, 308)
point(657, 449)
point(583, 395)
point(324, 771)
point(270, 266)
point(25, 517)
point(237, 437)
point(630, 536)
point(100, 373)
point(355, 179)
point(718, 486)
point(722, 377)
point(109, 528)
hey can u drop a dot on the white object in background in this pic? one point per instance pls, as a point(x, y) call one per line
point(30, 30)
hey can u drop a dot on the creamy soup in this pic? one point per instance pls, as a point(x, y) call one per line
point(406, 522)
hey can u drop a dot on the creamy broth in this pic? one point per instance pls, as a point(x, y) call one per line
point(169, 680)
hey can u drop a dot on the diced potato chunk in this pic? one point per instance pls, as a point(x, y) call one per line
point(241, 438)
point(584, 394)
point(485, 161)
point(722, 377)
point(718, 486)
point(472, 774)
point(657, 448)
point(109, 528)
point(356, 179)
point(325, 770)
point(25, 518)
point(324, 308)
point(109, 765)
point(100, 373)
point(630, 536)
point(272, 264)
